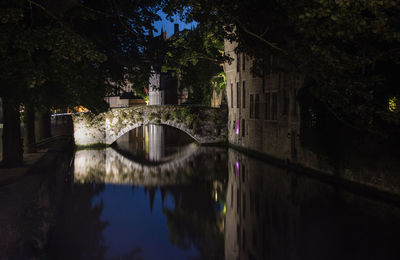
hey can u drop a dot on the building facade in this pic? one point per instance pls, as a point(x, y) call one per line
point(265, 116)
point(163, 88)
point(263, 111)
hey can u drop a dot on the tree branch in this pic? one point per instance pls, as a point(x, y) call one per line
point(272, 45)
point(119, 18)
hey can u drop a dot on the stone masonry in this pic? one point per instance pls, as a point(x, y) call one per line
point(203, 124)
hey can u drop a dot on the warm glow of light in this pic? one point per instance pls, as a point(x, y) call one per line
point(393, 104)
point(77, 109)
point(237, 168)
point(81, 109)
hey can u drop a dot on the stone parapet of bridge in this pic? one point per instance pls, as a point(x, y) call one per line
point(204, 124)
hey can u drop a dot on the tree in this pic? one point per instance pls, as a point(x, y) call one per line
point(348, 51)
point(64, 53)
point(197, 56)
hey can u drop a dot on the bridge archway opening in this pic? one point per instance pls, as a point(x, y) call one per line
point(153, 143)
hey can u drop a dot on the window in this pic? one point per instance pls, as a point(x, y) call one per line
point(257, 107)
point(244, 205)
point(238, 62)
point(251, 106)
point(232, 195)
point(238, 234)
point(251, 201)
point(244, 61)
point(238, 201)
point(257, 203)
point(254, 238)
point(238, 94)
point(243, 131)
point(285, 103)
point(244, 94)
point(294, 110)
point(231, 95)
point(244, 240)
point(267, 106)
point(274, 106)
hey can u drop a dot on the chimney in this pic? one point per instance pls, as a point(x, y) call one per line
point(176, 28)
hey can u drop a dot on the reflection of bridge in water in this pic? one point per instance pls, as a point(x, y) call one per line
point(110, 166)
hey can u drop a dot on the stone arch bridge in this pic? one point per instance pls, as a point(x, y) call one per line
point(204, 124)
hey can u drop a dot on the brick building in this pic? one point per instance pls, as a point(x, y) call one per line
point(265, 116)
point(263, 112)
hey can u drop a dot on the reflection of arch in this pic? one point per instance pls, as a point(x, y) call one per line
point(205, 125)
point(111, 167)
point(171, 163)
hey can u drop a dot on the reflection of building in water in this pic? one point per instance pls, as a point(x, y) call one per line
point(249, 221)
point(134, 140)
point(272, 214)
point(153, 142)
point(156, 142)
point(147, 140)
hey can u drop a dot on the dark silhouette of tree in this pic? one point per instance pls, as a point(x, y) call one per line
point(196, 55)
point(346, 50)
point(67, 53)
point(78, 233)
point(194, 220)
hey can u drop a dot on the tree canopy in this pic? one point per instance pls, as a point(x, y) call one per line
point(348, 51)
point(197, 56)
point(62, 53)
point(66, 52)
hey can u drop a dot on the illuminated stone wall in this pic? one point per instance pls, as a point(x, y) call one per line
point(203, 124)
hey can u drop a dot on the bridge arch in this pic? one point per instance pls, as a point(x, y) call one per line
point(203, 124)
point(112, 138)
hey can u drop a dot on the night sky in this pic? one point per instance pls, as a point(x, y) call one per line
point(169, 26)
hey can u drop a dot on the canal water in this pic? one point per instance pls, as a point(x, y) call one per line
point(155, 194)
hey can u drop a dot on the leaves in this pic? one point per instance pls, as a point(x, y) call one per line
point(197, 56)
point(348, 49)
point(59, 53)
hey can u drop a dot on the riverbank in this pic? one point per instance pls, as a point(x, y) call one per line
point(372, 190)
point(27, 195)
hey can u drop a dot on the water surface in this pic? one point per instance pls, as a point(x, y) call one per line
point(158, 195)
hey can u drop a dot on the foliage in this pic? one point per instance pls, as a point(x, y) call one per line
point(72, 53)
point(197, 56)
point(195, 222)
point(348, 51)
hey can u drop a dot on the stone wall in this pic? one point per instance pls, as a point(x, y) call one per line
point(205, 125)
